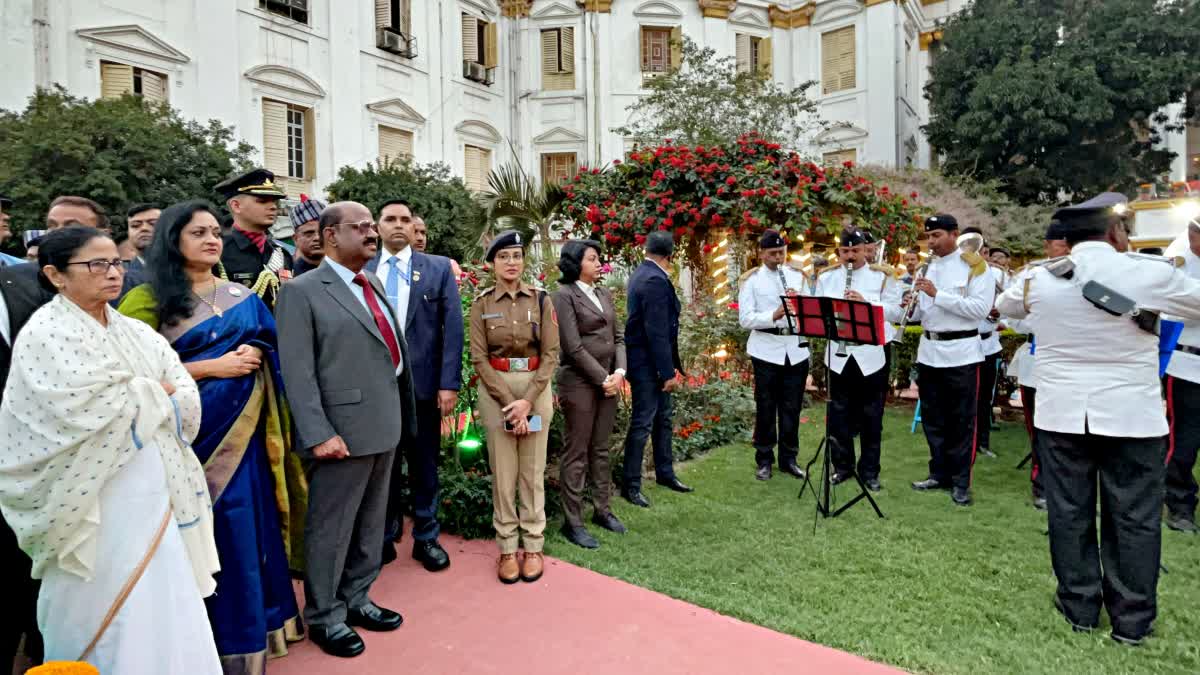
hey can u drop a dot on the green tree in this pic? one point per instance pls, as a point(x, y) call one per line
point(707, 101)
point(516, 199)
point(115, 151)
point(452, 215)
point(1055, 97)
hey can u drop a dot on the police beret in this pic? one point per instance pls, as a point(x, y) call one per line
point(506, 239)
point(5, 203)
point(941, 221)
point(853, 237)
point(771, 239)
point(660, 243)
point(306, 210)
point(1056, 231)
point(257, 182)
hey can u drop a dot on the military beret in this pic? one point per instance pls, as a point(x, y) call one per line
point(1056, 231)
point(853, 237)
point(307, 210)
point(660, 243)
point(5, 203)
point(506, 239)
point(941, 221)
point(771, 239)
point(257, 182)
point(999, 249)
point(868, 238)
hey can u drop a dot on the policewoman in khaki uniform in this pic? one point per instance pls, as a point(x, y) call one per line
point(514, 347)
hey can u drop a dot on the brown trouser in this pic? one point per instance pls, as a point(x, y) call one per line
point(589, 417)
point(517, 462)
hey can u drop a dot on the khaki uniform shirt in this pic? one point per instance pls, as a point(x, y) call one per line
point(507, 325)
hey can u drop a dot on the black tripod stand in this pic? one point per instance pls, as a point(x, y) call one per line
point(847, 322)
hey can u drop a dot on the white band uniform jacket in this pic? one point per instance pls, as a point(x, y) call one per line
point(1183, 365)
point(758, 298)
point(1098, 373)
point(962, 302)
point(876, 287)
point(992, 344)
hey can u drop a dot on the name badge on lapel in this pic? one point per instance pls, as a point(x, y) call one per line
point(494, 315)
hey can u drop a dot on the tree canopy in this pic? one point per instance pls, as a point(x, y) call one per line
point(1054, 97)
point(117, 152)
point(455, 220)
point(707, 101)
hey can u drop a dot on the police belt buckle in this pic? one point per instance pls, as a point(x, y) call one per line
point(518, 365)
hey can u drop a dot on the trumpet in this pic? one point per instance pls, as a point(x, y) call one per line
point(968, 243)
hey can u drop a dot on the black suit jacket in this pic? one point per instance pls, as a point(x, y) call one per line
point(22, 295)
point(652, 329)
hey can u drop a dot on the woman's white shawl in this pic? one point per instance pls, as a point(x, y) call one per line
point(80, 400)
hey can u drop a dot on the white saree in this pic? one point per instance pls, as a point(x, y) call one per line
point(92, 455)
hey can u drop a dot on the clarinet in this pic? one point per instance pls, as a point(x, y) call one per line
point(841, 351)
point(783, 285)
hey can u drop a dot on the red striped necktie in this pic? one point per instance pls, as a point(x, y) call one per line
point(389, 336)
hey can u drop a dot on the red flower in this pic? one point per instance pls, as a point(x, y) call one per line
point(639, 239)
point(733, 305)
point(616, 162)
point(731, 181)
point(716, 219)
point(706, 201)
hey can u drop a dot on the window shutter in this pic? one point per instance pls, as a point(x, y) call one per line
point(394, 144)
point(568, 52)
point(549, 54)
point(383, 14)
point(310, 139)
point(765, 65)
point(645, 50)
point(839, 157)
point(154, 87)
point(485, 168)
point(470, 38)
point(838, 60)
point(676, 47)
point(275, 153)
point(471, 168)
point(116, 80)
point(405, 21)
point(491, 45)
point(743, 53)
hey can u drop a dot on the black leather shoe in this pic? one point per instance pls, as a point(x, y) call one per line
point(838, 477)
point(961, 496)
point(1181, 523)
point(928, 484)
point(1131, 640)
point(337, 640)
point(1077, 627)
point(1039, 503)
point(372, 617)
point(987, 453)
point(763, 472)
point(873, 484)
point(431, 555)
point(579, 536)
point(389, 553)
point(636, 498)
point(792, 470)
point(609, 522)
point(674, 484)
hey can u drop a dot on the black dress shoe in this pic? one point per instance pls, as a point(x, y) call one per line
point(1181, 523)
point(431, 554)
point(337, 640)
point(636, 498)
point(609, 522)
point(791, 469)
point(1077, 627)
point(674, 484)
point(389, 553)
point(961, 496)
point(763, 472)
point(839, 477)
point(987, 453)
point(579, 536)
point(1039, 503)
point(374, 618)
point(873, 484)
point(928, 484)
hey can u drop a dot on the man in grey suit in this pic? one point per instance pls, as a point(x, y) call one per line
point(346, 370)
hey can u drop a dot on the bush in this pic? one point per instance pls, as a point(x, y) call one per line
point(466, 508)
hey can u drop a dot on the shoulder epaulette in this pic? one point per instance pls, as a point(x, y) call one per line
point(976, 262)
point(1179, 261)
point(886, 269)
point(746, 275)
point(830, 269)
point(484, 291)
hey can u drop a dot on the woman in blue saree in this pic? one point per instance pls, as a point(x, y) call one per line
point(225, 337)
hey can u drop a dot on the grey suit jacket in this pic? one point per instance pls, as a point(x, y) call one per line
point(337, 370)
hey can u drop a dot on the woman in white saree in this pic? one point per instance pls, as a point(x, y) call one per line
point(97, 479)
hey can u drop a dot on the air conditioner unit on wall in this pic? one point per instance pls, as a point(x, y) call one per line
point(391, 40)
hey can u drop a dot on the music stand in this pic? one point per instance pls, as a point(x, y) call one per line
point(836, 320)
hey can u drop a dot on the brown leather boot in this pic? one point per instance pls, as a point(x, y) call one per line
point(507, 568)
point(531, 568)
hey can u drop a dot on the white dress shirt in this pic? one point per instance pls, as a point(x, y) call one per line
point(356, 290)
point(1096, 372)
point(877, 288)
point(403, 261)
point(4, 321)
point(758, 298)
point(590, 293)
point(962, 302)
point(1183, 365)
point(992, 344)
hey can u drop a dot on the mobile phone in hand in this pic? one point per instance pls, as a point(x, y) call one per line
point(535, 424)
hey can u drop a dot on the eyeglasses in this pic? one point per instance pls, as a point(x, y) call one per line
point(361, 226)
point(101, 266)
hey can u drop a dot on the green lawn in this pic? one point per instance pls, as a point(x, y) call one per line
point(934, 588)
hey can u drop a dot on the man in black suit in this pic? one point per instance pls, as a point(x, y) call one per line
point(423, 291)
point(652, 348)
point(20, 297)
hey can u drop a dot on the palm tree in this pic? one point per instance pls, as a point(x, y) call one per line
point(517, 200)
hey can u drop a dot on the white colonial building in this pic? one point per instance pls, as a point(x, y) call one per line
point(321, 84)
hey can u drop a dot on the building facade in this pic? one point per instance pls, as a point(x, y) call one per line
point(321, 84)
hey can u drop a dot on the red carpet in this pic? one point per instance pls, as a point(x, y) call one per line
point(463, 620)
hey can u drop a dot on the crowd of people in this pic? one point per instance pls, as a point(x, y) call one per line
point(192, 422)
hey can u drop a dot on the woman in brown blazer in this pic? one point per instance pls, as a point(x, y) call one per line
point(590, 375)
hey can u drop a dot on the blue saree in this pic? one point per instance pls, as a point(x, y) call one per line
point(255, 481)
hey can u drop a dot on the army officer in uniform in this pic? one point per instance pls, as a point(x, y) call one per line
point(251, 256)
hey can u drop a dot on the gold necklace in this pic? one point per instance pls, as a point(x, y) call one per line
point(212, 304)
